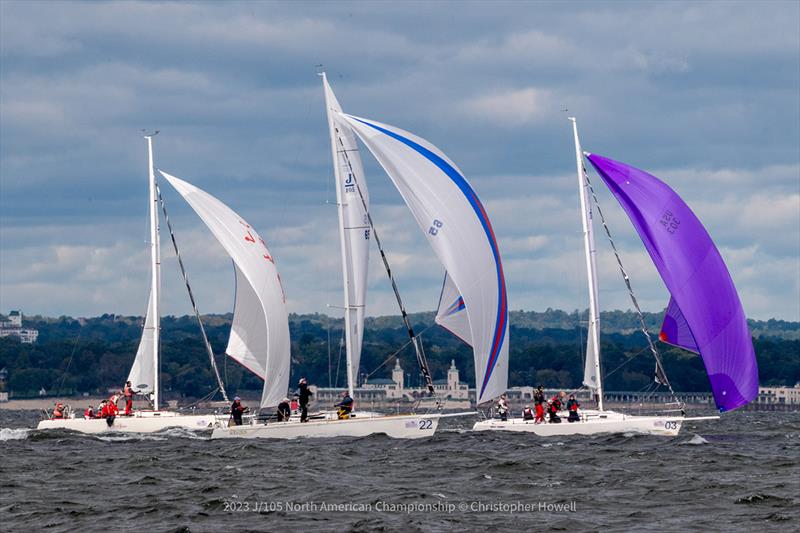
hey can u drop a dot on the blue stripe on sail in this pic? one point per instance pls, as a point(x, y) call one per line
point(456, 306)
point(469, 193)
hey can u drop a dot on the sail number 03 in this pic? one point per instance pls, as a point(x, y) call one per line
point(435, 227)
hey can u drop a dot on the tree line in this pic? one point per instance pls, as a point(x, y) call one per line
point(91, 355)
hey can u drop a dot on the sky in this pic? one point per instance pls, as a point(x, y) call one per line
point(704, 95)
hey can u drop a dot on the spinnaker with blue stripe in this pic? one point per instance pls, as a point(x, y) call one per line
point(456, 225)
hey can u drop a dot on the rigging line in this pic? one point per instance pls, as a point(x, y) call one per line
point(69, 362)
point(403, 347)
point(339, 359)
point(421, 360)
point(191, 296)
point(661, 376)
point(625, 362)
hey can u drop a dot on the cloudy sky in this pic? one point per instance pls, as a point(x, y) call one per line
point(706, 95)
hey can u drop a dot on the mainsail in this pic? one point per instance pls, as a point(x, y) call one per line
point(260, 332)
point(704, 314)
point(458, 229)
point(143, 371)
point(354, 231)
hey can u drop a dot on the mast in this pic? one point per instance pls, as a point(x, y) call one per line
point(155, 263)
point(592, 377)
point(342, 240)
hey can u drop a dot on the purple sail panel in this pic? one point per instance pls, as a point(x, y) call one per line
point(675, 330)
point(706, 302)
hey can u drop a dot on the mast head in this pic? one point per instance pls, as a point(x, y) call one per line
point(149, 135)
point(571, 119)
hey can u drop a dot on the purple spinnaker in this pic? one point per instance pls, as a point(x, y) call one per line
point(705, 314)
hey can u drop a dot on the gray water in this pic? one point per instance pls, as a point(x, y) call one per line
point(739, 473)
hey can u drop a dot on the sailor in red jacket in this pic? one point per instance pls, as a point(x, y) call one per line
point(58, 411)
point(128, 392)
point(539, 413)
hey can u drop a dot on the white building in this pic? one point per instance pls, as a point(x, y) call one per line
point(779, 395)
point(13, 326)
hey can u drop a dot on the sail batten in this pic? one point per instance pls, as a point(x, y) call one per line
point(456, 225)
point(259, 338)
point(704, 314)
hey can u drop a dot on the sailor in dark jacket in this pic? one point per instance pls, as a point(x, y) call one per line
point(284, 410)
point(572, 407)
point(304, 395)
point(345, 406)
point(237, 410)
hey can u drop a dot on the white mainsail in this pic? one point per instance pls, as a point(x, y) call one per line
point(354, 231)
point(458, 229)
point(143, 371)
point(591, 371)
point(260, 332)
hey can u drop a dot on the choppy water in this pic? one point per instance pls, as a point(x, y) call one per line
point(739, 473)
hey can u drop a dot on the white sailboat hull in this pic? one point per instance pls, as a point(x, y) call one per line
point(140, 422)
point(399, 427)
point(594, 424)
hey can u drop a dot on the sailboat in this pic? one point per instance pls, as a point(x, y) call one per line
point(144, 374)
point(704, 314)
point(453, 230)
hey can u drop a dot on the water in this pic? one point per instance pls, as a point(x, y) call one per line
point(738, 473)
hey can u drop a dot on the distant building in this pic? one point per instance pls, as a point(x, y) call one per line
point(779, 395)
point(393, 390)
point(13, 326)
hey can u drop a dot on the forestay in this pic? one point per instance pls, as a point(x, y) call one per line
point(354, 231)
point(260, 332)
point(704, 313)
point(143, 371)
point(458, 229)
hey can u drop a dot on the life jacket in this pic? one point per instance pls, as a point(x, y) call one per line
point(112, 409)
point(128, 392)
point(58, 412)
point(88, 413)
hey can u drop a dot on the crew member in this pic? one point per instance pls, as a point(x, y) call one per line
point(527, 414)
point(572, 407)
point(502, 408)
point(103, 409)
point(237, 410)
point(284, 410)
point(345, 407)
point(539, 413)
point(304, 395)
point(58, 411)
point(555, 407)
point(538, 396)
point(88, 413)
point(128, 392)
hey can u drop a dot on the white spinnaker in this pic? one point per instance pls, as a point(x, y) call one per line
point(260, 332)
point(452, 312)
point(354, 231)
point(456, 225)
point(143, 372)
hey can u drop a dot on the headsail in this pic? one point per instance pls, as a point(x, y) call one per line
point(354, 232)
point(458, 229)
point(704, 301)
point(452, 311)
point(260, 333)
point(143, 372)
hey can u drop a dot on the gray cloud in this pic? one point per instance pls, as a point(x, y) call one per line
point(704, 95)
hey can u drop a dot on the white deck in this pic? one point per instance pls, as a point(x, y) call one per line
point(593, 423)
point(397, 426)
point(140, 422)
